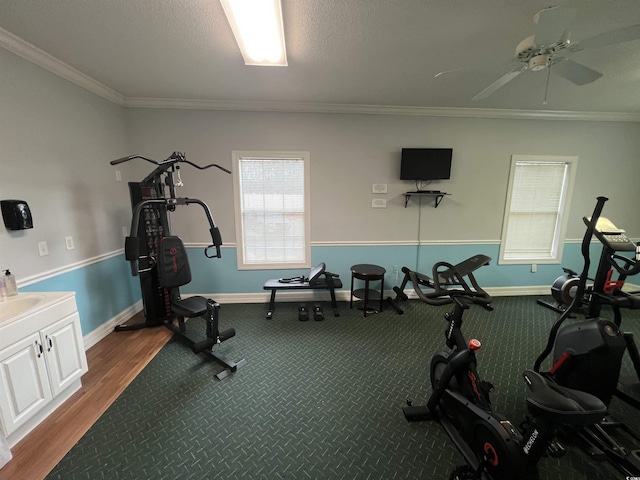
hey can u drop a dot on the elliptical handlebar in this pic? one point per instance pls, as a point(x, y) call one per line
point(631, 267)
point(582, 283)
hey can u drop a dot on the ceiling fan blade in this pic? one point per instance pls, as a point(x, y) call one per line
point(610, 38)
point(575, 72)
point(552, 24)
point(476, 65)
point(502, 81)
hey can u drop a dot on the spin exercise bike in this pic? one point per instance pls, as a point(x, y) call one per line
point(460, 400)
point(160, 260)
point(588, 354)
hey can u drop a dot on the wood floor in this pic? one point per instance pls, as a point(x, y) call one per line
point(113, 363)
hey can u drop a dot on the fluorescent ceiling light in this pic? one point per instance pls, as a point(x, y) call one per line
point(257, 26)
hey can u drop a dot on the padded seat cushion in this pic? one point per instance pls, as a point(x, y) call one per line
point(173, 264)
point(560, 405)
point(190, 307)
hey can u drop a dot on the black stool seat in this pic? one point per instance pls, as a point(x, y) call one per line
point(560, 405)
point(190, 307)
point(367, 273)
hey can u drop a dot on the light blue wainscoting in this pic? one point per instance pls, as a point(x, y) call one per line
point(103, 290)
point(106, 288)
point(220, 275)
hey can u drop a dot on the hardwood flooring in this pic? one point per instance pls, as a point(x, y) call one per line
point(113, 363)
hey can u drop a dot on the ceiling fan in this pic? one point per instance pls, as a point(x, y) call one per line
point(547, 47)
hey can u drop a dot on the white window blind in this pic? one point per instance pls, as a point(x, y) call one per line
point(272, 210)
point(535, 216)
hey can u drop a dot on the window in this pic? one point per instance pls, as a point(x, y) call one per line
point(272, 209)
point(538, 200)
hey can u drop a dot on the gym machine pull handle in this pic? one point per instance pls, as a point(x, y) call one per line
point(132, 242)
point(175, 157)
point(216, 237)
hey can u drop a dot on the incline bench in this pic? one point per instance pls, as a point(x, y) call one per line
point(319, 279)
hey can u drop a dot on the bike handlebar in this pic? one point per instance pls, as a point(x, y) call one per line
point(444, 293)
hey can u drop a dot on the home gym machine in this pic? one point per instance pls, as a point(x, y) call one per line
point(160, 259)
point(492, 446)
point(588, 354)
point(446, 277)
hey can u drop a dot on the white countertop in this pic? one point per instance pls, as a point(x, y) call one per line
point(17, 306)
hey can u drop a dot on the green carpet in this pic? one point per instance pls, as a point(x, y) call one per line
point(316, 400)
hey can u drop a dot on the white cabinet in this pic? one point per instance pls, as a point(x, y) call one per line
point(41, 361)
point(25, 382)
point(64, 353)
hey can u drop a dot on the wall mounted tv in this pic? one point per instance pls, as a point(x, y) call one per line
point(425, 163)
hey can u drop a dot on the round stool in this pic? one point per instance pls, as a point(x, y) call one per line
point(367, 273)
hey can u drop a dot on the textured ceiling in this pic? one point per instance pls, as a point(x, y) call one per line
point(353, 52)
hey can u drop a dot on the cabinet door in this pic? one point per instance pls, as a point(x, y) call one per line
point(23, 378)
point(64, 351)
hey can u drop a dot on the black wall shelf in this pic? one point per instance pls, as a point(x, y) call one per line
point(438, 196)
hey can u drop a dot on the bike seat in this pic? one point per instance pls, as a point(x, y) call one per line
point(561, 405)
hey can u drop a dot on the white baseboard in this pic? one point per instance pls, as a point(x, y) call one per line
point(107, 327)
point(343, 294)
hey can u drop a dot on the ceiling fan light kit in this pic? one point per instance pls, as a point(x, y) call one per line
point(539, 62)
point(551, 45)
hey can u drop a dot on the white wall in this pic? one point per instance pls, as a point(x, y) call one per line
point(56, 142)
point(351, 152)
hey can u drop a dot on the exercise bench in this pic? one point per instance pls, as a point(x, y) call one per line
point(319, 279)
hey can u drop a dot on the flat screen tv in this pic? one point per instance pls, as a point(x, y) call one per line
point(425, 163)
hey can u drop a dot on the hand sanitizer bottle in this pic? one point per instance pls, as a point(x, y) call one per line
point(10, 284)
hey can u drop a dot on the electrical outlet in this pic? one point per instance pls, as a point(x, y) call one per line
point(43, 249)
point(534, 268)
point(68, 241)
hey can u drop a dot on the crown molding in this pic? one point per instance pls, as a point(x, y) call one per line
point(299, 107)
point(33, 54)
point(41, 58)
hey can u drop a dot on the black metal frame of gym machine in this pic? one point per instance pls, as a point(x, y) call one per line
point(163, 205)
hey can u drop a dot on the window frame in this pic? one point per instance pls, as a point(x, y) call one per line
point(237, 156)
point(557, 247)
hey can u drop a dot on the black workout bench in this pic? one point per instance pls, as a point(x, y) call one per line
point(319, 279)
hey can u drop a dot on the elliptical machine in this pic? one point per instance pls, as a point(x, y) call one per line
point(492, 446)
point(588, 354)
